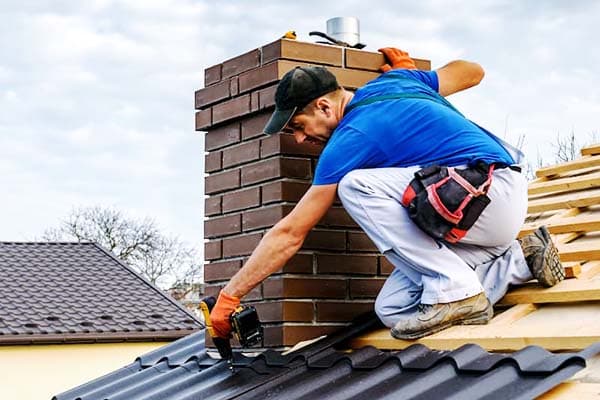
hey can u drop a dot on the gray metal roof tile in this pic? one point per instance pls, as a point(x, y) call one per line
point(51, 289)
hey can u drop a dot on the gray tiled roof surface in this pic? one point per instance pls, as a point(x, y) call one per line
point(183, 371)
point(78, 292)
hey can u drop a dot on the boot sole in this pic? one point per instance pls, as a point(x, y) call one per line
point(480, 318)
point(549, 270)
point(554, 268)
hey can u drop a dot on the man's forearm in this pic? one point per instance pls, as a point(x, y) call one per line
point(271, 254)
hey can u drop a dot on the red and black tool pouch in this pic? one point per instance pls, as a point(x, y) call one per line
point(445, 202)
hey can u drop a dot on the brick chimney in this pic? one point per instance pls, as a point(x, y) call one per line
point(254, 180)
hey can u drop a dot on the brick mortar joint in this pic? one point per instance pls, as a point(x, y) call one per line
point(253, 162)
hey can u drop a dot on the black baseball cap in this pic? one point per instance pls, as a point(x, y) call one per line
point(296, 89)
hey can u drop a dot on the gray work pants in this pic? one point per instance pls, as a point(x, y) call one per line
point(427, 271)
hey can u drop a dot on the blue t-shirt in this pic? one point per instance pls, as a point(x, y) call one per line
point(404, 132)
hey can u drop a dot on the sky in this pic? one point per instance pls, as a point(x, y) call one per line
point(97, 97)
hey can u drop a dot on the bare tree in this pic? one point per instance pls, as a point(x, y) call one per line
point(566, 149)
point(163, 260)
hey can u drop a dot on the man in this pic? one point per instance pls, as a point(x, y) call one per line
point(376, 140)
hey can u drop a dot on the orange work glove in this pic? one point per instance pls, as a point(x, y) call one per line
point(398, 59)
point(219, 317)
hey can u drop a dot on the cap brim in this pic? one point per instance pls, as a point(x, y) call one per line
point(279, 119)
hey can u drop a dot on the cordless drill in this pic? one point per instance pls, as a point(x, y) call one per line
point(244, 324)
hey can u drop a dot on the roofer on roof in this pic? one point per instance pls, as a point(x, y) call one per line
point(442, 198)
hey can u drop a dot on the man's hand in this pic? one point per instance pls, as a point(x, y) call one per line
point(219, 317)
point(397, 59)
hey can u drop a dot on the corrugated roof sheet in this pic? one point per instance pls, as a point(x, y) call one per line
point(182, 370)
point(78, 292)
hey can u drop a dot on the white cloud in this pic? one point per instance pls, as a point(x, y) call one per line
point(97, 96)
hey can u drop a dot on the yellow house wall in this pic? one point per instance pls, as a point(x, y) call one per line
point(38, 372)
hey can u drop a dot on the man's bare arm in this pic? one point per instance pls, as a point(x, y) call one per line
point(458, 75)
point(283, 240)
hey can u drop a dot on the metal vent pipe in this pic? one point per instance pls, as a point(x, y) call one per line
point(345, 29)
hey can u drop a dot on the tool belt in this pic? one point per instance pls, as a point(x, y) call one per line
point(445, 202)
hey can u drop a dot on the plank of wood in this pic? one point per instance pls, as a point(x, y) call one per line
point(579, 251)
point(570, 390)
point(566, 184)
point(513, 314)
point(572, 269)
point(591, 150)
point(585, 162)
point(566, 291)
point(556, 327)
point(456, 337)
point(586, 223)
point(568, 200)
point(589, 270)
point(556, 218)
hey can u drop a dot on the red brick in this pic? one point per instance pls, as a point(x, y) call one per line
point(230, 109)
point(288, 311)
point(302, 51)
point(212, 75)
point(341, 311)
point(212, 161)
point(241, 63)
point(266, 97)
point(212, 290)
point(359, 241)
point(385, 267)
point(365, 288)
point(243, 153)
point(259, 77)
point(271, 52)
point(361, 59)
point(287, 287)
point(337, 217)
point(346, 264)
point(221, 226)
point(253, 126)
point(204, 119)
point(283, 191)
point(273, 336)
point(247, 198)
point(212, 206)
point(286, 144)
point(276, 168)
point(254, 102)
point(212, 94)
point(222, 136)
point(264, 217)
point(221, 270)
point(292, 335)
point(299, 264)
point(240, 245)
point(212, 250)
point(221, 181)
point(234, 86)
point(325, 240)
point(253, 295)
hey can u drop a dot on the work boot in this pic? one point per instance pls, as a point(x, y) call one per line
point(542, 257)
point(431, 318)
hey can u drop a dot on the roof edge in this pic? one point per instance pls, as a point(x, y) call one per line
point(84, 338)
